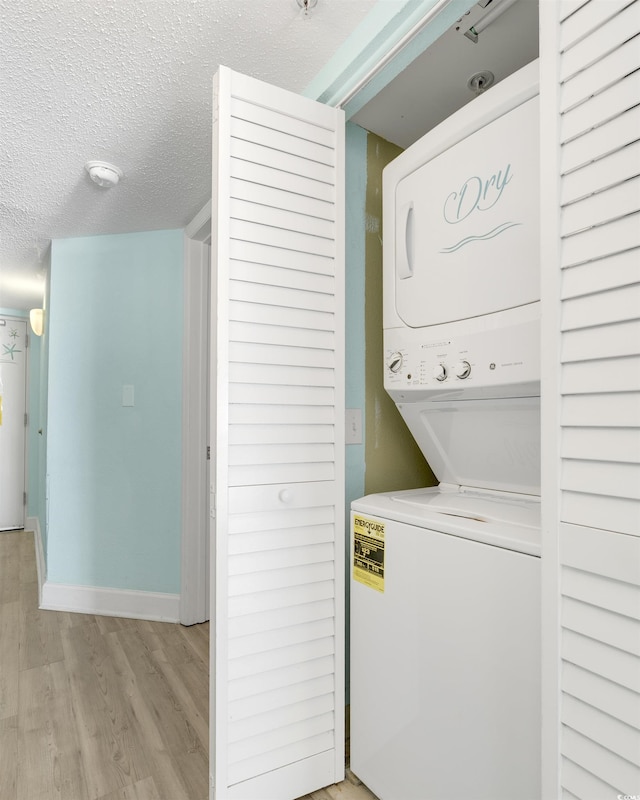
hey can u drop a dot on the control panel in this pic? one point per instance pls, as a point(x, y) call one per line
point(481, 361)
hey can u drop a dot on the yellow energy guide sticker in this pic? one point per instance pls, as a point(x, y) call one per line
point(368, 552)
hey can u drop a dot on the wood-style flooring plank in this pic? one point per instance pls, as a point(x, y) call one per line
point(49, 763)
point(9, 758)
point(9, 559)
point(40, 641)
point(28, 572)
point(141, 790)
point(148, 727)
point(111, 754)
point(178, 731)
point(187, 683)
point(9, 658)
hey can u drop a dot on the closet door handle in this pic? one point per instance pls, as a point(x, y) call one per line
point(404, 241)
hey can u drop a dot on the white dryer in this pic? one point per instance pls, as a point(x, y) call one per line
point(445, 597)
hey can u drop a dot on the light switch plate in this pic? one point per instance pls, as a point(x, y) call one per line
point(353, 426)
point(127, 395)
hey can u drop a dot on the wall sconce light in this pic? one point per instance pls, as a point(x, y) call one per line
point(36, 320)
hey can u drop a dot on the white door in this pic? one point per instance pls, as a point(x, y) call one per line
point(277, 413)
point(13, 358)
point(590, 131)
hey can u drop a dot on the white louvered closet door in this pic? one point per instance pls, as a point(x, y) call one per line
point(596, 62)
point(277, 699)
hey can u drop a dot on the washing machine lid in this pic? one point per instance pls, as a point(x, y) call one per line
point(491, 444)
point(500, 519)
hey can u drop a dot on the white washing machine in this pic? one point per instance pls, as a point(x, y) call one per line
point(445, 595)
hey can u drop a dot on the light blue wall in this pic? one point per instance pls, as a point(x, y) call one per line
point(114, 472)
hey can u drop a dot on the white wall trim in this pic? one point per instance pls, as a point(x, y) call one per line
point(194, 600)
point(110, 602)
point(199, 228)
point(33, 524)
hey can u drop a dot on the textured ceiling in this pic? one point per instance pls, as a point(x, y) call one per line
point(129, 81)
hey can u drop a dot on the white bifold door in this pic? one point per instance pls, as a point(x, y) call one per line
point(277, 505)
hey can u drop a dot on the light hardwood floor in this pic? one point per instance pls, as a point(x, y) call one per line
point(101, 708)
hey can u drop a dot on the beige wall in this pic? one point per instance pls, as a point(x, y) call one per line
point(392, 458)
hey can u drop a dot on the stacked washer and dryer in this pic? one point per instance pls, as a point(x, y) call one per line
point(445, 595)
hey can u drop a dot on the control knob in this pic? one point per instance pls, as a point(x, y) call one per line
point(440, 372)
point(395, 362)
point(462, 369)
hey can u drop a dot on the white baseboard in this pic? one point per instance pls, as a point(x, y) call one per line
point(110, 602)
point(33, 524)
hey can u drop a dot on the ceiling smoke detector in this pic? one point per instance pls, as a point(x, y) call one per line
point(105, 175)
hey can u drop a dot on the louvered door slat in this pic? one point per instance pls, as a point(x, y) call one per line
point(604, 206)
point(601, 140)
point(271, 698)
point(613, 67)
point(278, 686)
point(266, 723)
point(586, 19)
point(621, 269)
point(604, 308)
point(568, 7)
point(266, 175)
point(288, 277)
point(608, 696)
point(279, 334)
point(618, 596)
point(278, 198)
point(610, 733)
point(596, 176)
point(606, 105)
point(615, 630)
point(291, 126)
point(619, 667)
point(601, 444)
point(607, 513)
point(285, 297)
point(249, 131)
point(601, 39)
point(250, 211)
point(263, 621)
point(614, 770)
point(607, 375)
point(617, 339)
point(620, 235)
point(601, 411)
point(282, 598)
point(288, 537)
point(256, 153)
point(581, 784)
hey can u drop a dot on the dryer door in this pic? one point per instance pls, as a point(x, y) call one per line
point(467, 225)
